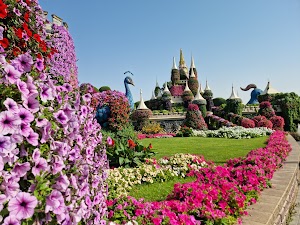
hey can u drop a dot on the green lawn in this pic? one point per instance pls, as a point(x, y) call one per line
point(218, 150)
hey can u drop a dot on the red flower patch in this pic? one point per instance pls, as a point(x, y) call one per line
point(3, 10)
point(4, 42)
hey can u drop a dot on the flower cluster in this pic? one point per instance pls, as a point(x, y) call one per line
point(266, 109)
point(247, 123)
point(234, 132)
point(215, 122)
point(177, 90)
point(52, 164)
point(63, 61)
point(142, 136)
point(121, 180)
point(117, 106)
point(218, 196)
point(194, 118)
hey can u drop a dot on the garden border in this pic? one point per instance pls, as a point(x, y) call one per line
point(272, 207)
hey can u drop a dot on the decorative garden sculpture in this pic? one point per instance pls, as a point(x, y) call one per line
point(254, 94)
point(128, 94)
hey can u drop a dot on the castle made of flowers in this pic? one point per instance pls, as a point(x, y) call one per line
point(184, 84)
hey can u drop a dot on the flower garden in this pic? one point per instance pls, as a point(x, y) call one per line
point(59, 165)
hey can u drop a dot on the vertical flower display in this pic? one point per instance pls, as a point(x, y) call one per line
point(52, 161)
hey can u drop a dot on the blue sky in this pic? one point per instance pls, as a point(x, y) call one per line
point(233, 42)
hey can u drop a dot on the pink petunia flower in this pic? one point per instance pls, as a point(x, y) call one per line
point(11, 220)
point(40, 165)
point(12, 75)
point(9, 123)
point(22, 206)
point(11, 105)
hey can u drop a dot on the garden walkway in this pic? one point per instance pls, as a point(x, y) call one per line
point(274, 203)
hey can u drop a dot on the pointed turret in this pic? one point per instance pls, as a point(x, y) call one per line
point(233, 94)
point(207, 88)
point(157, 85)
point(198, 96)
point(153, 96)
point(193, 68)
point(183, 68)
point(192, 75)
point(142, 103)
point(174, 67)
point(187, 86)
point(166, 89)
point(269, 90)
point(200, 89)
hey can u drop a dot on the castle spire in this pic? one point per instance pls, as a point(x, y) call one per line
point(153, 96)
point(181, 61)
point(207, 88)
point(174, 64)
point(192, 73)
point(198, 96)
point(157, 85)
point(192, 62)
point(233, 94)
point(187, 86)
point(200, 89)
point(142, 103)
point(166, 89)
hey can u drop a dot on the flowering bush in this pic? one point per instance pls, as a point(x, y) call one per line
point(265, 123)
point(194, 118)
point(184, 131)
point(152, 128)
point(247, 123)
point(52, 161)
point(219, 195)
point(177, 90)
point(266, 109)
point(278, 122)
point(234, 132)
point(113, 109)
point(142, 136)
point(187, 96)
point(141, 115)
point(257, 119)
point(215, 122)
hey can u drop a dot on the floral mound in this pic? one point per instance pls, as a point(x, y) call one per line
point(219, 196)
point(52, 162)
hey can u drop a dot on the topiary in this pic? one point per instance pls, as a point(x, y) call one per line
point(265, 123)
point(187, 96)
point(194, 118)
point(258, 118)
point(175, 76)
point(157, 91)
point(266, 109)
point(234, 105)
point(278, 122)
point(104, 88)
point(247, 123)
point(219, 101)
point(193, 85)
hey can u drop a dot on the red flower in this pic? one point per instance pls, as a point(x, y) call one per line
point(131, 143)
point(37, 37)
point(19, 33)
point(16, 51)
point(26, 17)
point(4, 42)
point(28, 31)
point(43, 46)
point(150, 146)
point(28, 2)
point(3, 10)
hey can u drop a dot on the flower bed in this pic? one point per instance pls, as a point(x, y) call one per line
point(143, 136)
point(121, 180)
point(234, 132)
point(220, 194)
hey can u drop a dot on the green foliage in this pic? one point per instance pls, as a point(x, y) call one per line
point(127, 154)
point(219, 101)
point(185, 132)
point(121, 135)
point(166, 96)
point(203, 110)
point(234, 106)
point(187, 96)
point(207, 94)
point(175, 76)
point(152, 128)
point(104, 88)
point(193, 85)
point(157, 91)
point(290, 109)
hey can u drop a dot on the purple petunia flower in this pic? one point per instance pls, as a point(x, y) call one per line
point(11, 220)
point(46, 93)
point(31, 103)
point(22, 86)
point(21, 169)
point(40, 165)
point(26, 116)
point(11, 105)
point(17, 11)
point(23, 62)
point(1, 168)
point(12, 75)
point(55, 202)
point(41, 122)
point(62, 183)
point(22, 206)
point(33, 138)
point(25, 129)
point(61, 117)
point(9, 123)
point(68, 87)
point(87, 97)
point(36, 154)
point(39, 64)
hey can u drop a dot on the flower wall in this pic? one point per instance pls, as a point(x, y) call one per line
point(52, 161)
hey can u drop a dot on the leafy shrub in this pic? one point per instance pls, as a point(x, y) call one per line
point(278, 122)
point(234, 105)
point(219, 101)
point(104, 88)
point(127, 154)
point(141, 115)
point(184, 131)
point(248, 123)
point(152, 128)
point(194, 118)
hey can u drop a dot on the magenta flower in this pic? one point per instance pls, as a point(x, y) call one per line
point(87, 97)
point(33, 138)
point(11, 105)
point(1, 168)
point(39, 64)
point(12, 75)
point(41, 122)
point(61, 117)
point(11, 220)
point(17, 11)
point(31, 103)
point(22, 206)
point(23, 63)
point(40, 165)
point(22, 86)
point(9, 122)
point(46, 93)
point(25, 116)
point(21, 169)
point(55, 202)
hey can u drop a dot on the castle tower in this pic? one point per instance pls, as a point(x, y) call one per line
point(193, 82)
point(233, 94)
point(183, 68)
point(193, 67)
point(175, 75)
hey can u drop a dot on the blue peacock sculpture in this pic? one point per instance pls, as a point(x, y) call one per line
point(103, 112)
point(254, 94)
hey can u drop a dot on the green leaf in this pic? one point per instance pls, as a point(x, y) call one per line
point(121, 160)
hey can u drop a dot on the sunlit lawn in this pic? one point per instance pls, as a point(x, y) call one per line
point(218, 150)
